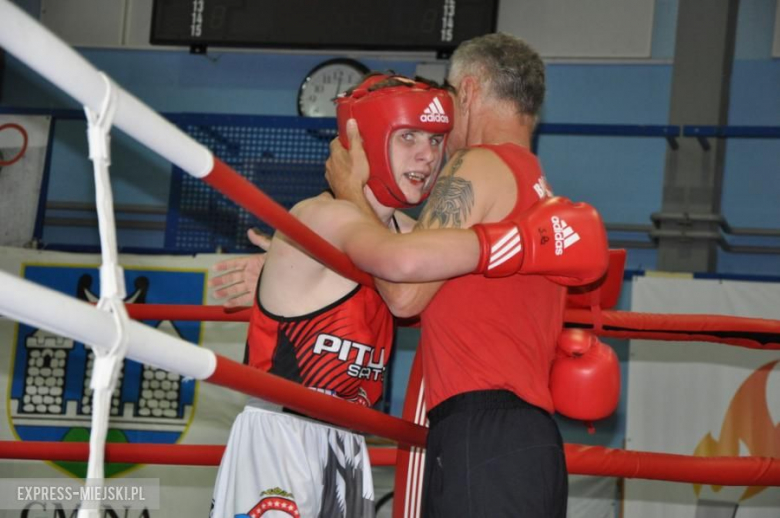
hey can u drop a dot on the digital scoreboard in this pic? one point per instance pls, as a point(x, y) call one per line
point(438, 25)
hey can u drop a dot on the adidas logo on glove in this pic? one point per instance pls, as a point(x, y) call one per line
point(521, 244)
point(565, 236)
point(434, 113)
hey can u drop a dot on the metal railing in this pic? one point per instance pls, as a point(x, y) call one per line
point(689, 223)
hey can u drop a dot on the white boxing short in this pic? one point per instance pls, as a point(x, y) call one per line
point(278, 465)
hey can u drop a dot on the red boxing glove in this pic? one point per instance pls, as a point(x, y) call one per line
point(585, 377)
point(564, 241)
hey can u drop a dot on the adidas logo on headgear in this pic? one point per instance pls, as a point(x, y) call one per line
point(565, 236)
point(434, 113)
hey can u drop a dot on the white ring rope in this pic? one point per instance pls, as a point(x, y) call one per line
point(45, 308)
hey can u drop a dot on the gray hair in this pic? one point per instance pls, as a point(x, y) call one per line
point(507, 65)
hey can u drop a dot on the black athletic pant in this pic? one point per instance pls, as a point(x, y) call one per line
point(490, 454)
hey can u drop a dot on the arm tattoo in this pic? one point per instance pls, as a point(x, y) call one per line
point(451, 200)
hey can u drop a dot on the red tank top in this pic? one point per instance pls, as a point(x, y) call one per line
point(483, 334)
point(341, 349)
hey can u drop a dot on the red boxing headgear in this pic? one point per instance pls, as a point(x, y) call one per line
point(382, 111)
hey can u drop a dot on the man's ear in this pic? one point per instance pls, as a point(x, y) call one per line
point(466, 90)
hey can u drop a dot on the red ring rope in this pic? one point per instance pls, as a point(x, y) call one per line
point(249, 380)
point(580, 460)
point(167, 454)
point(25, 140)
point(188, 312)
point(755, 333)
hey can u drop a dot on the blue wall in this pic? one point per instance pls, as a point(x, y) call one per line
point(621, 176)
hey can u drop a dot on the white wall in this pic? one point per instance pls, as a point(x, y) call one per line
point(581, 29)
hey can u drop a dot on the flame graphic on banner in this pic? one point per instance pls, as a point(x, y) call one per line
point(747, 421)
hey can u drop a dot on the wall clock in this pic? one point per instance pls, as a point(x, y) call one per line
point(324, 83)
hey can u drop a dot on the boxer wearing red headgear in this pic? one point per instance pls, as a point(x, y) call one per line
point(380, 114)
point(313, 326)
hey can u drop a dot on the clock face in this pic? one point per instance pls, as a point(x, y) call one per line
point(324, 83)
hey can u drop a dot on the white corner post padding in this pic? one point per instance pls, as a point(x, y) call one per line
point(44, 308)
point(41, 50)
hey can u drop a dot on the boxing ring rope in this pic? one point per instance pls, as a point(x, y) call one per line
point(85, 323)
point(27, 302)
point(163, 454)
point(753, 333)
point(580, 460)
point(36, 305)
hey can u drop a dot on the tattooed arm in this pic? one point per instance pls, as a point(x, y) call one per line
point(452, 199)
point(465, 194)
